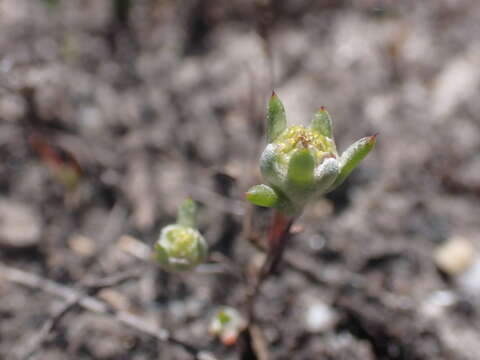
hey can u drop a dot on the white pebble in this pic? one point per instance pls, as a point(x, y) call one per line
point(455, 256)
point(319, 317)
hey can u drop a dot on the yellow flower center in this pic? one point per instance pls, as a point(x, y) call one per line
point(181, 241)
point(298, 137)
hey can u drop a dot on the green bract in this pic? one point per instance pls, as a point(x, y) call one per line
point(299, 163)
point(181, 246)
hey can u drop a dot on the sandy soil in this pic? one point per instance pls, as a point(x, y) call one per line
point(111, 112)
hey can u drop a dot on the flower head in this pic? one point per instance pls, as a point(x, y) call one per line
point(300, 163)
point(181, 246)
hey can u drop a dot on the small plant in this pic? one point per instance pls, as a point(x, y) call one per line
point(227, 324)
point(299, 164)
point(180, 246)
point(62, 163)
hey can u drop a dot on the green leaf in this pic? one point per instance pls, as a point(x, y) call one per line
point(300, 168)
point(353, 156)
point(263, 195)
point(187, 213)
point(276, 118)
point(322, 123)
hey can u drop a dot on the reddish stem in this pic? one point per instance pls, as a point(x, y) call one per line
point(276, 241)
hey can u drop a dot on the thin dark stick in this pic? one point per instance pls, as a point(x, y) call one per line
point(93, 304)
point(42, 335)
point(90, 289)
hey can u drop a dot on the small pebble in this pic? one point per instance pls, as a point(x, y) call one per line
point(20, 225)
point(12, 108)
point(469, 281)
point(455, 256)
point(134, 247)
point(117, 300)
point(319, 317)
point(436, 304)
point(82, 245)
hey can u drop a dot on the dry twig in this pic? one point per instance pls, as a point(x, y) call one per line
point(91, 303)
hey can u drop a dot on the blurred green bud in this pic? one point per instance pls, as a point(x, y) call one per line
point(299, 163)
point(227, 324)
point(180, 246)
point(187, 214)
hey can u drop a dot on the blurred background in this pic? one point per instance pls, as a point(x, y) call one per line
point(113, 111)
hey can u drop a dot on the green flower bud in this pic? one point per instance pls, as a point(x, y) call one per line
point(180, 246)
point(299, 163)
point(227, 324)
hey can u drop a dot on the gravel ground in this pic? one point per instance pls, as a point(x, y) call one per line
point(112, 112)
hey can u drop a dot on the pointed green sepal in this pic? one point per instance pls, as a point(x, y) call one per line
point(352, 157)
point(326, 174)
point(276, 118)
point(301, 169)
point(187, 213)
point(322, 123)
point(263, 195)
